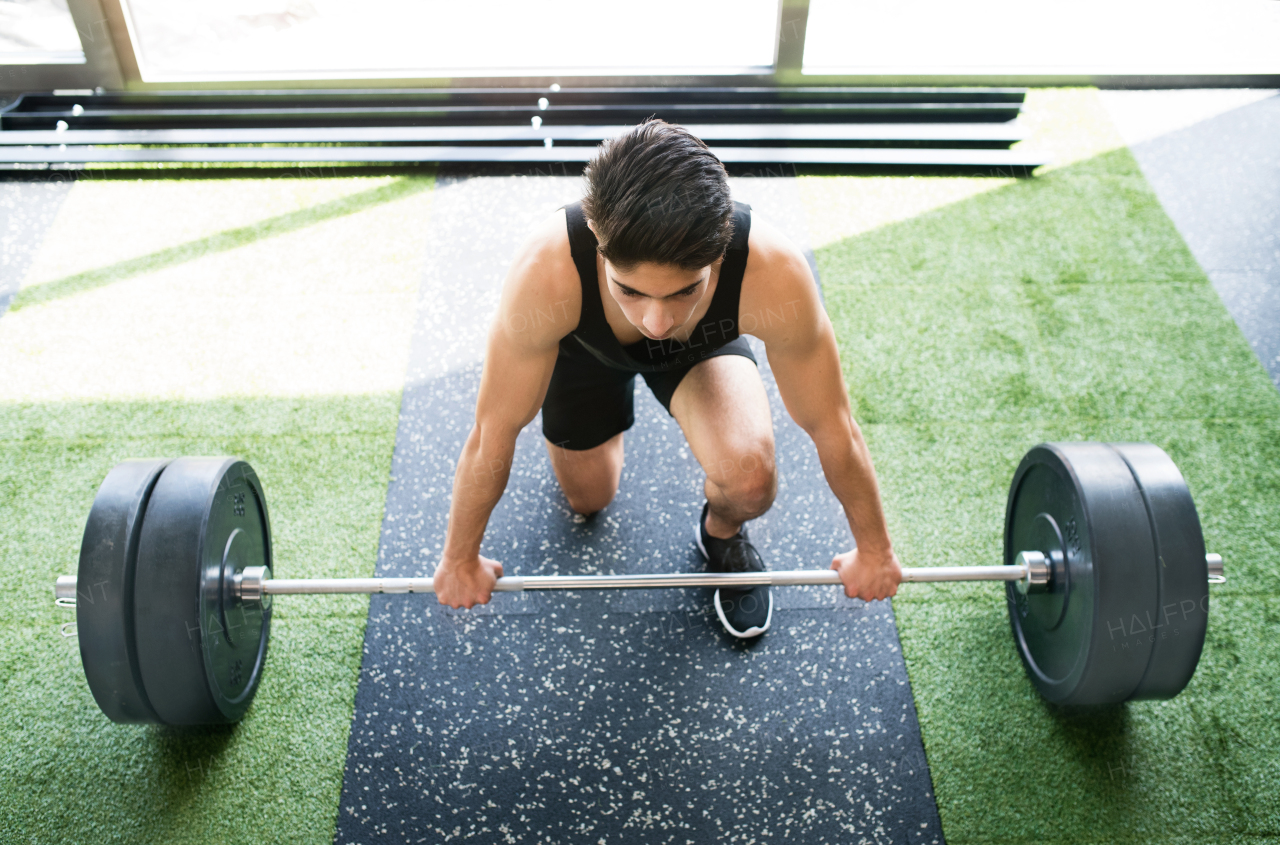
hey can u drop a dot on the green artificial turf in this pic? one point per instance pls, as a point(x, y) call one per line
point(67, 774)
point(1058, 308)
point(1061, 307)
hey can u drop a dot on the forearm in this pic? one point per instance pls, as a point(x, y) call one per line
point(846, 462)
point(483, 470)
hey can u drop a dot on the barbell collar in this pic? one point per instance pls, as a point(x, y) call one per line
point(64, 589)
point(1039, 573)
point(1217, 572)
point(249, 583)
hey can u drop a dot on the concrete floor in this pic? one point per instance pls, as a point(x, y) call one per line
point(1213, 158)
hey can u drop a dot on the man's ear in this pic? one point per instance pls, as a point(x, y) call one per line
point(592, 227)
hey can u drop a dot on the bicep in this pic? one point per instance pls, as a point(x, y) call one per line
point(810, 379)
point(802, 348)
point(538, 307)
point(515, 377)
point(535, 311)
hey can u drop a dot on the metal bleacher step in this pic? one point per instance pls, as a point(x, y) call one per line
point(513, 154)
point(801, 125)
point(998, 133)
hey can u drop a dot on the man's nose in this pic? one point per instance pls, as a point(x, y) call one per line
point(657, 320)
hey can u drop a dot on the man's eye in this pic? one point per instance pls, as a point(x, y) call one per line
point(630, 293)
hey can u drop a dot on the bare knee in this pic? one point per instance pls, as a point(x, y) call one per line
point(589, 504)
point(588, 477)
point(589, 494)
point(750, 485)
point(755, 496)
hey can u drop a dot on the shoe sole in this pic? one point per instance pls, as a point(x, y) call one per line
point(753, 631)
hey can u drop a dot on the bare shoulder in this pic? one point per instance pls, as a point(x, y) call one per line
point(542, 296)
point(780, 301)
point(774, 263)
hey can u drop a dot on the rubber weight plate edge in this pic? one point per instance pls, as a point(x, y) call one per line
point(202, 652)
point(1082, 498)
point(104, 591)
point(1176, 624)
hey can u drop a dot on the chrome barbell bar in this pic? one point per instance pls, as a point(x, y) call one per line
point(254, 582)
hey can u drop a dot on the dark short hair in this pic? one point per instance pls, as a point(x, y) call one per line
point(657, 194)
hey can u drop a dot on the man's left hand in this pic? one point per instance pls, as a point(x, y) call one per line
point(868, 575)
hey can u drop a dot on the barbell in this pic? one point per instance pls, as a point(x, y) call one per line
point(1104, 565)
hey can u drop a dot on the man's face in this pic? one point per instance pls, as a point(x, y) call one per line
point(657, 298)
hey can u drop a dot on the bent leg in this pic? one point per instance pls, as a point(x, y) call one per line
point(587, 408)
point(723, 410)
point(588, 477)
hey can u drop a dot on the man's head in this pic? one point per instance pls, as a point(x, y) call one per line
point(658, 202)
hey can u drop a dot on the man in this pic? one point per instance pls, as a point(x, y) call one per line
point(658, 272)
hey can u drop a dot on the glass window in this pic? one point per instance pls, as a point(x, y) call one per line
point(318, 39)
point(38, 32)
point(1015, 36)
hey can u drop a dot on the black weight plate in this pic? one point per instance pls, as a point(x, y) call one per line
point(201, 653)
point(104, 591)
point(1175, 626)
point(1078, 504)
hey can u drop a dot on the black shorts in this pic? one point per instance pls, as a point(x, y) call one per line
point(587, 402)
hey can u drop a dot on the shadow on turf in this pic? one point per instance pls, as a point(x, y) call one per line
point(190, 756)
point(1102, 738)
point(1083, 727)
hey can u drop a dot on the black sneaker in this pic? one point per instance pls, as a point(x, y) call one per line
point(744, 613)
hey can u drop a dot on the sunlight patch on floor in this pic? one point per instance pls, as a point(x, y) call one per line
point(304, 307)
point(1069, 123)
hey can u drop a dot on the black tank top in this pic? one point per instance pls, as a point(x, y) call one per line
point(716, 328)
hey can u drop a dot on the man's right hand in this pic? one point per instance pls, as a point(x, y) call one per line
point(466, 583)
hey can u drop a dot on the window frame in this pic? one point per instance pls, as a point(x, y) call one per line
point(111, 63)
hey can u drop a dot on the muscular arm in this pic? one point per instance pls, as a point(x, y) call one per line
point(801, 346)
point(538, 307)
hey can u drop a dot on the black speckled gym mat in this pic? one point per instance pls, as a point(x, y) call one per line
point(621, 716)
